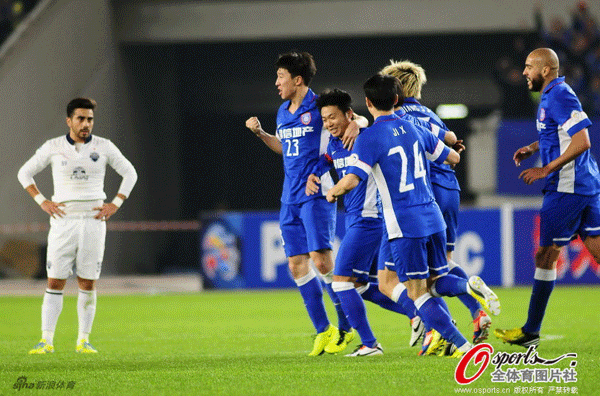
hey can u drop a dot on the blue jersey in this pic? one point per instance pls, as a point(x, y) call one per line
point(559, 117)
point(441, 174)
point(394, 152)
point(303, 140)
point(363, 199)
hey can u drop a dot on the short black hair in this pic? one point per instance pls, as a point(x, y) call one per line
point(382, 89)
point(298, 64)
point(80, 103)
point(335, 97)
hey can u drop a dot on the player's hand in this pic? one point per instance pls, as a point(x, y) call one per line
point(532, 174)
point(330, 197)
point(105, 211)
point(350, 135)
point(53, 208)
point(253, 124)
point(312, 184)
point(459, 147)
point(522, 154)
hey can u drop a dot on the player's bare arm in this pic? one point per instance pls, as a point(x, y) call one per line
point(525, 152)
point(109, 208)
point(450, 138)
point(453, 158)
point(52, 208)
point(271, 141)
point(580, 142)
point(312, 184)
point(353, 130)
point(345, 185)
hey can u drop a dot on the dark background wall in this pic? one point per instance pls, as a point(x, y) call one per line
point(196, 98)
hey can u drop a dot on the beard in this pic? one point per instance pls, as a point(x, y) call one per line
point(536, 83)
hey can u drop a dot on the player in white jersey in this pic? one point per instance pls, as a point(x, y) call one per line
point(78, 215)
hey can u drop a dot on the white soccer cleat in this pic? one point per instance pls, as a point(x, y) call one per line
point(418, 330)
point(477, 288)
point(363, 350)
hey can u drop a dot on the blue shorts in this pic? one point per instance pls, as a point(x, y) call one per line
point(359, 247)
point(419, 258)
point(385, 259)
point(564, 215)
point(448, 201)
point(308, 226)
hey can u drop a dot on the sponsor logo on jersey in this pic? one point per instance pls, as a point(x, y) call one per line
point(352, 160)
point(306, 118)
point(539, 125)
point(79, 174)
point(542, 114)
point(94, 156)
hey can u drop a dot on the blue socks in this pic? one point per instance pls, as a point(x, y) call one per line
point(436, 317)
point(370, 292)
point(353, 305)
point(468, 300)
point(343, 323)
point(312, 294)
point(449, 285)
point(543, 284)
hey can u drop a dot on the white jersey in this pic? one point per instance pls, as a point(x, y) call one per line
point(79, 175)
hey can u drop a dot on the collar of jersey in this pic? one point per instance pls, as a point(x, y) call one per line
point(554, 83)
point(384, 118)
point(411, 100)
point(72, 142)
point(308, 98)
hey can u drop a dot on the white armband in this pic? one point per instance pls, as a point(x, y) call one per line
point(39, 199)
point(118, 201)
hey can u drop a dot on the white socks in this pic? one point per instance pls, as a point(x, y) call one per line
point(51, 308)
point(86, 310)
point(397, 292)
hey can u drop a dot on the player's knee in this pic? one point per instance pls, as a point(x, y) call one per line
point(56, 284)
point(546, 256)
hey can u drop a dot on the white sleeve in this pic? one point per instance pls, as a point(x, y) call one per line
point(123, 167)
point(34, 165)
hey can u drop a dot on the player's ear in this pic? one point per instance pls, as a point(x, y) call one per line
point(68, 122)
point(396, 100)
point(350, 114)
point(368, 102)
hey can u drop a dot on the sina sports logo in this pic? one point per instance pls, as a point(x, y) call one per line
point(542, 114)
point(94, 156)
point(306, 118)
point(79, 174)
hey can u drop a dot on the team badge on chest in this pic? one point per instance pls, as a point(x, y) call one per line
point(94, 156)
point(542, 114)
point(306, 118)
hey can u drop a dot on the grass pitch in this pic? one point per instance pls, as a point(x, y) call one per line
point(256, 343)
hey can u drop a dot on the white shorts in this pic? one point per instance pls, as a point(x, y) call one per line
point(76, 239)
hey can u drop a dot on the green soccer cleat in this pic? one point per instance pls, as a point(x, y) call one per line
point(85, 347)
point(41, 348)
point(322, 339)
point(482, 293)
point(340, 341)
point(518, 337)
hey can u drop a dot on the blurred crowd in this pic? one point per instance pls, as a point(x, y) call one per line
point(577, 45)
point(11, 13)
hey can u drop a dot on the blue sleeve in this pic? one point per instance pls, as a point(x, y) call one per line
point(323, 165)
point(436, 150)
point(566, 111)
point(363, 157)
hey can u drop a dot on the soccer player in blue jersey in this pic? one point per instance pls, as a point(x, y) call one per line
point(307, 222)
point(364, 228)
point(393, 151)
point(571, 203)
point(443, 179)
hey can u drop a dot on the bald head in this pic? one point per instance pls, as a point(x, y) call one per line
point(546, 57)
point(541, 67)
